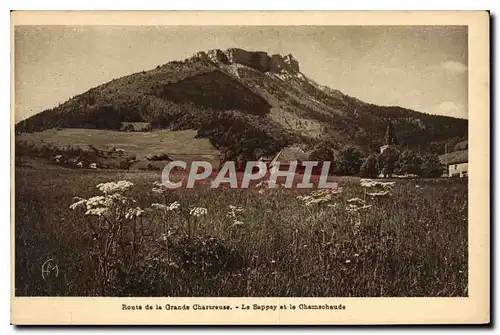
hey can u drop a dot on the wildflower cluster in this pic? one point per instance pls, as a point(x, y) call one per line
point(158, 188)
point(379, 188)
point(161, 207)
point(234, 212)
point(112, 187)
point(198, 211)
point(162, 188)
point(112, 205)
point(134, 212)
point(356, 204)
point(157, 206)
point(319, 196)
point(173, 206)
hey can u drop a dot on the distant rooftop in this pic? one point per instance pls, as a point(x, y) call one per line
point(455, 157)
point(463, 145)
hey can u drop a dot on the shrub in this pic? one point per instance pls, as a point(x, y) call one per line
point(432, 166)
point(409, 163)
point(349, 161)
point(160, 157)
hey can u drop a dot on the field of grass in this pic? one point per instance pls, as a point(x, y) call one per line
point(411, 243)
point(140, 144)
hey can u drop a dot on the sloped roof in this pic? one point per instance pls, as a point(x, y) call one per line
point(293, 154)
point(455, 157)
point(290, 154)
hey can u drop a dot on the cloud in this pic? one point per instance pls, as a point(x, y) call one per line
point(455, 67)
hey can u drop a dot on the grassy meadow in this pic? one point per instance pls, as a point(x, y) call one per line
point(139, 144)
point(410, 243)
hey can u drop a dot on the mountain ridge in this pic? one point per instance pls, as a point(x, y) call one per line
point(267, 93)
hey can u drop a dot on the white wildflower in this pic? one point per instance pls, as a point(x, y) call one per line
point(348, 261)
point(120, 198)
point(158, 190)
point(99, 211)
point(336, 190)
point(173, 206)
point(356, 200)
point(355, 208)
point(368, 183)
point(160, 207)
point(378, 194)
point(321, 192)
point(235, 208)
point(237, 223)
point(198, 211)
point(316, 197)
point(78, 204)
point(315, 201)
point(97, 201)
point(134, 212)
point(112, 187)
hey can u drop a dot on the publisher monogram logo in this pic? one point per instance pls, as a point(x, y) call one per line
point(49, 269)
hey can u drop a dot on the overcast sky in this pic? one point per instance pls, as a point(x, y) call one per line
point(422, 68)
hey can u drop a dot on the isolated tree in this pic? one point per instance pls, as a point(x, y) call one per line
point(409, 163)
point(431, 166)
point(369, 167)
point(324, 152)
point(349, 161)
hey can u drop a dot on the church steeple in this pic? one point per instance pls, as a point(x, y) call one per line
point(390, 135)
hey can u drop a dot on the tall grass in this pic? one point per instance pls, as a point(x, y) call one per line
point(413, 243)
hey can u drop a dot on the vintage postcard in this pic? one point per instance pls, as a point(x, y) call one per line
point(250, 168)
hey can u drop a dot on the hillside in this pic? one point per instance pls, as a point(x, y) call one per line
point(236, 96)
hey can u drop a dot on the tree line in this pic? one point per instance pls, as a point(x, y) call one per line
point(351, 161)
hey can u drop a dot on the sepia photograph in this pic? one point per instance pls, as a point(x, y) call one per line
point(242, 161)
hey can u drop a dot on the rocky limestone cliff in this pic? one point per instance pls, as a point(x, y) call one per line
point(258, 60)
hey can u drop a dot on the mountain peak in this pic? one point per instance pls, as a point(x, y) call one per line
point(259, 60)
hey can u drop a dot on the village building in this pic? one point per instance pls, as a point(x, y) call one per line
point(286, 157)
point(456, 162)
